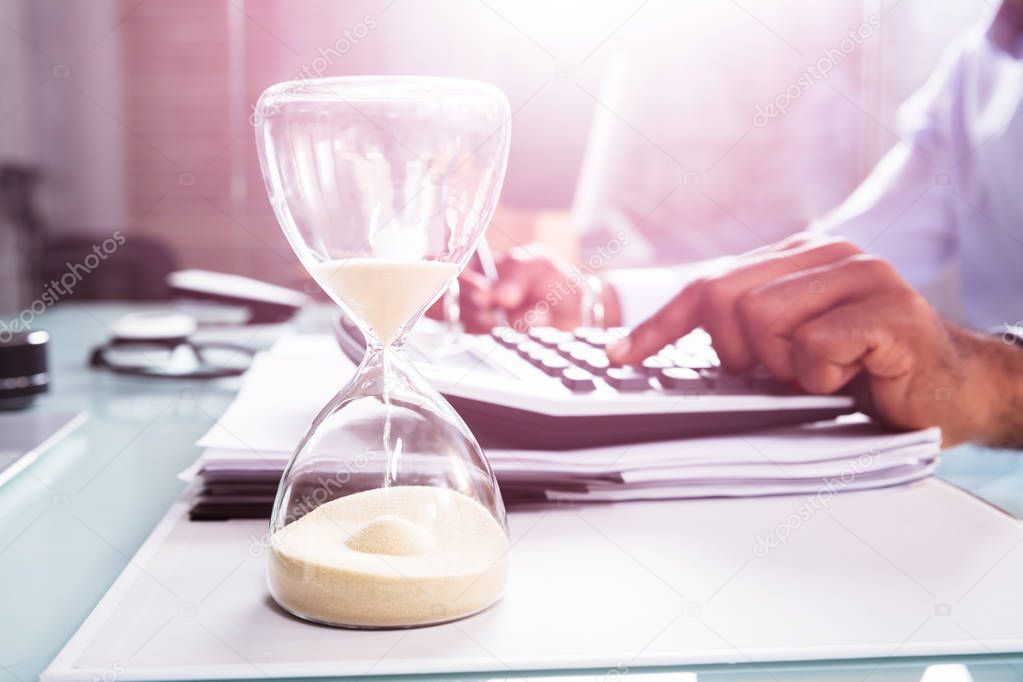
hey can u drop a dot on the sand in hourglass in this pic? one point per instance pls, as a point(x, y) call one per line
point(384, 293)
point(390, 557)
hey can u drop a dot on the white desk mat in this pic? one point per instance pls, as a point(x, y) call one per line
point(923, 569)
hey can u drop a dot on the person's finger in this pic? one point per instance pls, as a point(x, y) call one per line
point(817, 374)
point(676, 318)
point(479, 324)
point(477, 320)
point(436, 311)
point(524, 318)
point(510, 292)
point(517, 273)
point(720, 311)
point(474, 307)
point(771, 312)
point(475, 291)
point(532, 283)
point(873, 334)
point(711, 303)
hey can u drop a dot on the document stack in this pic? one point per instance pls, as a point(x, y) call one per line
point(246, 451)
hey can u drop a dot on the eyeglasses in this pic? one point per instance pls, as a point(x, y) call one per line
point(158, 345)
point(180, 360)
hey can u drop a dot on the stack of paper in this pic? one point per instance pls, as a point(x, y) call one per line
point(247, 449)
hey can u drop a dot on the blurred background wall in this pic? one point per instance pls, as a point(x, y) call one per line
point(136, 113)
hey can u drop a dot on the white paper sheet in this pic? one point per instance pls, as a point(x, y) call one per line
point(742, 488)
point(259, 429)
point(281, 393)
point(918, 570)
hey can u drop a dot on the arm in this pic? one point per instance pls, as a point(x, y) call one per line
point(538, 288)
point(1004, 362)
point(820, 313)
point(903, 211)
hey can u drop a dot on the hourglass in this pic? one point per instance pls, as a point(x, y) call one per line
point(388, 514)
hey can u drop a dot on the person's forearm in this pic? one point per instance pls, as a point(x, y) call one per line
point(994, 388)
point(1007, 427)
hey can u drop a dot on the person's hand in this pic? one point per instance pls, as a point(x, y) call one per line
point(535, 288)
point(819, 312)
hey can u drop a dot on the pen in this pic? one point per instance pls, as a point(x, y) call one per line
point(487, 266)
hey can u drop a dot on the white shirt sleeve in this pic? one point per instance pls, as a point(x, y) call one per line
point(903, 211)
point(643, 291)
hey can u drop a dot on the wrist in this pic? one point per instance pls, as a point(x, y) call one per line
point(994, 379)
point(598, 303)
point(612, 305)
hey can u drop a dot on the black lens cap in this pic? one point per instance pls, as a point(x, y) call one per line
point(24, 372)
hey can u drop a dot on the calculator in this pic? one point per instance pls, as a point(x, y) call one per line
point(548, 388)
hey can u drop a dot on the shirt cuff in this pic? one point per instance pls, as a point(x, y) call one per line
point(643, 291)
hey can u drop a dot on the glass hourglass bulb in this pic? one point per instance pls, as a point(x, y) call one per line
point(388, 514)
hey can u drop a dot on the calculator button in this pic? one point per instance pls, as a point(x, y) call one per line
point(691, 361)
point(707, 353)
point(506, 336)
point(537, 358)
point(527, 348)
point(533, 353)
point(549, 336)
point(697, 347)
point(697, 337)
point(704, 354)
point(576, 379)
point(595, 361)
point(680, 379)
point(627, 379)
point(653, 365)
point(573, 350)
point(599, 338)
point(516, 336)
point(583, 333)
point(554, 365)
point(557, 337)
point(538, 333)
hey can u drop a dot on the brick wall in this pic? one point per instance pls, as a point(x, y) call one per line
point(192, 175)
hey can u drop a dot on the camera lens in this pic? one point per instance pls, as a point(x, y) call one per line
point(24, 373)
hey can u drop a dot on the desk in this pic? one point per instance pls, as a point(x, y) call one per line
point(72, 520)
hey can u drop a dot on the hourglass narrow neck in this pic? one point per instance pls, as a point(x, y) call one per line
point(382, 366)
point(374, 347)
